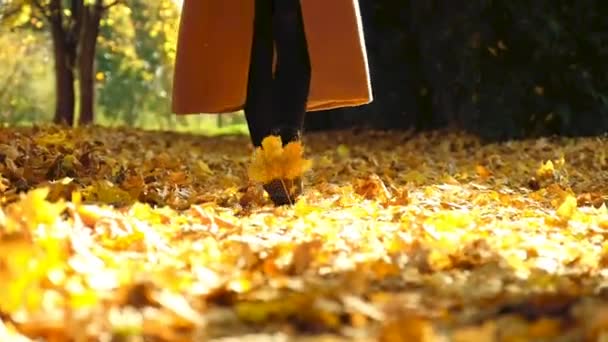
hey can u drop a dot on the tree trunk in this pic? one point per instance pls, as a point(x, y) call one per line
point(64, 68)
point(86, 66)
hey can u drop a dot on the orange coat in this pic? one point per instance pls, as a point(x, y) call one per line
point(214, 46)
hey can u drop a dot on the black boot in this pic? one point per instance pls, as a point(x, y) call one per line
point(284, 191)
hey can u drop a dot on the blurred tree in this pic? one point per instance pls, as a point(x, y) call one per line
point(135, 59)
point(74, 27)
point(23, 58)
point(122, 49)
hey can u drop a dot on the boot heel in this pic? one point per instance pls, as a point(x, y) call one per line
point(284, 192)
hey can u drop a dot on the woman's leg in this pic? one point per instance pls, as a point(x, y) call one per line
point(258, 106)
point(292, 73)
point(290, 88)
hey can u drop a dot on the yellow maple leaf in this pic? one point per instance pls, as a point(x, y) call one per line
point(568, 208)
point(293, 163)
point(272, 146)
point(273, 161)
point(546, 170)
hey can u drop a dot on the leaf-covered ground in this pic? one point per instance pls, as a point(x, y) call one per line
point(124, 235)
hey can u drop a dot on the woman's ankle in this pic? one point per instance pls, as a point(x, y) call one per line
point(287, 133)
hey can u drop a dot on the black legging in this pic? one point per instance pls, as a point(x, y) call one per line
point(277, 104)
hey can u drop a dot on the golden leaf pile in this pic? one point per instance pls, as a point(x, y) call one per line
point(273, 161)
point(127, 235)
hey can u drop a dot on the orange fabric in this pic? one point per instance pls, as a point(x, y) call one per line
point(214, 47)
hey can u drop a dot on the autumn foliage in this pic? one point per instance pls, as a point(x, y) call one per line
point(126, 234)
point(273, 161)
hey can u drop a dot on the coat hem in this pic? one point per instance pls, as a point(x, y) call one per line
point(315, 107)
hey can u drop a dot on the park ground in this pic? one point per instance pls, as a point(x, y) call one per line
point(130, 235)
